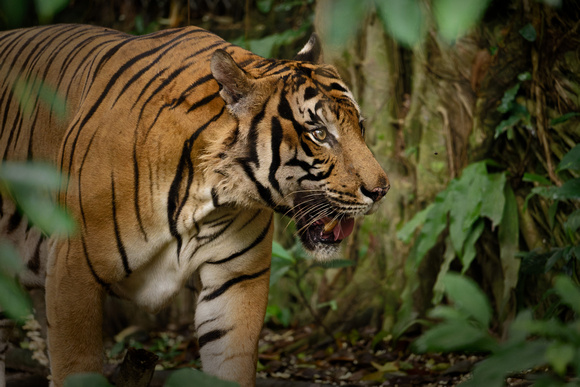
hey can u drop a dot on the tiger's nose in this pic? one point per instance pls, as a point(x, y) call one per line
point(376, 193)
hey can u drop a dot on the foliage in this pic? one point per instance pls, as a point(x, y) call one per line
point(14, 13)
point(404, 20)
point(515, 112)
point(293, 265)
point(185, 377)
point(462, 209)
point(29, 185)
point(531, 343)
point(563, 258)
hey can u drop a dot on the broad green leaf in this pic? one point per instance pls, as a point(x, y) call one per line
point(10, 262)
point(564, 118)
point(568, 292)
point(47, 9)
point(403, 19)
point(525, 76)
point(30, 176)
point(468, 297)
point(519, 335)
point(492, 371)
point(188, 377)
point(44, 213)
point(281, 252)
point(508, 235)
point(455, 17)
point(444, 312)
point(534, 178)
point(407, 231)
point(559, 355)
point(454, 335)
point(508, 98)
point(528, 32)
point(448, 256)
point(86, 380)
point(469, 250)
point(435, 224)
point(493, 201)
point(466, 198)
point(343, 19)
point(570, 190)
point(13, 299)
point(557, 255)
point(264, 6)
point(571, 160)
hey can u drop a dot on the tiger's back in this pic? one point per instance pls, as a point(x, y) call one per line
point(178, 147)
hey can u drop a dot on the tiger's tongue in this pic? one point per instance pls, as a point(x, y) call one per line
point(342, 229)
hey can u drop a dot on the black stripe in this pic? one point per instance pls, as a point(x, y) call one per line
point(185, 166)
point(120, 245)
point(34, 263)
point(256, 242)
point(14, 221)
point(211, 336)
point(276, 138)
point(222, 289)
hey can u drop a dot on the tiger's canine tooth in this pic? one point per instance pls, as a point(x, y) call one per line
point(328, 227)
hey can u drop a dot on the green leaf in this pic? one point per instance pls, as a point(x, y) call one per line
point(525, 76)
point(568, 292)
point(44, 213)
point(403, 19)
point(508, 98)
point(559, 355)
point(188, 377)
point(469, 251)
point(508, 235)
point(564, 118)
point(572, 224)
point(557, 255)
point(408, 230)
point(13, 299)
point(492, 371)
point(435, 224)
point(571, 160)
point(454, 335)
point(343, 19)
point(552, 213)
point(534, 178)
point(468, 297)
point(493, 204)
point(281, 252)
point(528, 32)
point(439, 287)
point(454, 17)
point(570, 190)
point(466, 199)
point(30, 176)
point(47, 9)
point(264, 6)
point(86, 380)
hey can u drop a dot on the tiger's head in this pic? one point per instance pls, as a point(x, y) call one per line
point(298, 146)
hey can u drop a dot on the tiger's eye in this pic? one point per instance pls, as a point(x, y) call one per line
point(319, 134)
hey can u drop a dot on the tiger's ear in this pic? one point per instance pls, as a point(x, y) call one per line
point(312, 51)
point(235, 82)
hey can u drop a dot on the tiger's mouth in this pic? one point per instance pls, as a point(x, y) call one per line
point(322, 231)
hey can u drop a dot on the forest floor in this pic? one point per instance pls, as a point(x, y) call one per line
point(301, 358)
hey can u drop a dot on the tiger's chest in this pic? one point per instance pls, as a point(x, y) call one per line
point(221, 238)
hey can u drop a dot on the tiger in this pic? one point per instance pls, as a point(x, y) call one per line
point(178, 148)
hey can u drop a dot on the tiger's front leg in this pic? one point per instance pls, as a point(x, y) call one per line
point(230, 312)
point(74, 302)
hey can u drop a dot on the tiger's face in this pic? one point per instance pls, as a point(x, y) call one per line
point(303, 151)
